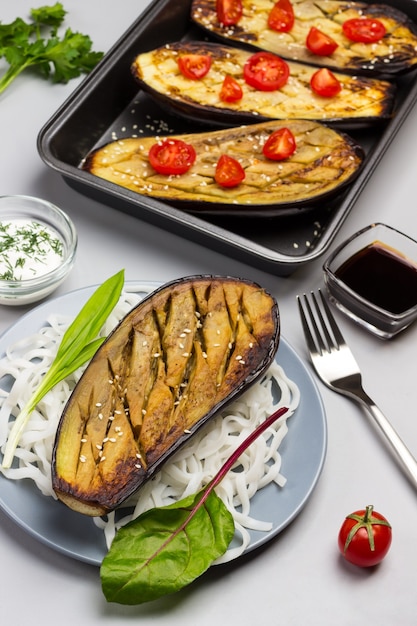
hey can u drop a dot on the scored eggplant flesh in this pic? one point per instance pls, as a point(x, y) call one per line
point(395, 53)
point(362, 100)
point(172, 362)
point(325, 160)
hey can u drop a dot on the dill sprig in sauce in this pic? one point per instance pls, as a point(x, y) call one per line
point(28, 249)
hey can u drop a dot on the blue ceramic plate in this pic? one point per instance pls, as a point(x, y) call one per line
point(303, 452)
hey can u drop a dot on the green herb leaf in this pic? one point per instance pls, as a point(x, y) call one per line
point(166, 548)
point(37, 44)
point(78, 345)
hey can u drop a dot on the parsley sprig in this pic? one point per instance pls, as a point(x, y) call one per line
point(37, 44)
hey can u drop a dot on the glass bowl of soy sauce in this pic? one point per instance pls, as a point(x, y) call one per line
point(372, 278)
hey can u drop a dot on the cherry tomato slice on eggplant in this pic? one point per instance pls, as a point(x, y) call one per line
point(229, 12)
point(281, 17)
point(172, 157)
point(231, 91)
point(194, 66)
point(364, 30)
point(229, 172)
point(319, 43)
point(266, 71)
point(365, 537)
point(324, 83)
point(280, 145)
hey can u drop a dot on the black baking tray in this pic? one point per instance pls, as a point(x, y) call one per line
point(108, 105)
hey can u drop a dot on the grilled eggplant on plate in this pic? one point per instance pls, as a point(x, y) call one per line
point(361, 101)
point(178, 357)
point(323, 162)
point(388, 50)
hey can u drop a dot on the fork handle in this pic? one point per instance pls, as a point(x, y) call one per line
point(407, 459)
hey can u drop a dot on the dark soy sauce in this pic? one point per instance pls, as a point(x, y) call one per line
point(382, 276)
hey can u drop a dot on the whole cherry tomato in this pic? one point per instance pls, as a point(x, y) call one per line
point(364, 29)
point(266, 71)
point(281, 16)
point(365, 537)
point(324, 83)
point(229, 172)
point(171, 157)
point(280, 145)
point(320, 43)
point(194, 66)
point(229, 12)
point(231, 91)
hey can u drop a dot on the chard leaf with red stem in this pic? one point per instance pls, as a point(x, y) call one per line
point(166, 548)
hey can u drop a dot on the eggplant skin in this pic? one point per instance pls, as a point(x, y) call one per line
point(392, 55)
point(362, 101)
point(172, 362)
point(325, 160)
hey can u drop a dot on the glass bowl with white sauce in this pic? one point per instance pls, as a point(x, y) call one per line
point(38, 244)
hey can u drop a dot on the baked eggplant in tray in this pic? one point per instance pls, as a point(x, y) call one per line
point(324, 161)
point(183, 353)
point(108, 105)
point(362, 100)
point(391, 54)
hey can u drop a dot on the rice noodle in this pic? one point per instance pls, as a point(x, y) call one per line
point(192, 467)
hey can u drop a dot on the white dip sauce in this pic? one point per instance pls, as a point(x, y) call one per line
point(28, 249)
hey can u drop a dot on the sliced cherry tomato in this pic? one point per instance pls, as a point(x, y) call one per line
point(280, 145)
point(171, 157)
point(194, 66)
point(281, 16)
point(229, 172)
point(320, 43)
point(364, 29)
point(229, 12)
point(325, 83)
point(266, 71)
point(231, 91)
point(365, 537)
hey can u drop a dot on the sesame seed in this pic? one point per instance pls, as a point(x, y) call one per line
point(83, 440)
point(98, 446)
point(187, 432)
point(83, 458)
point(138, 466)
point(103, 458)
point(98, 404)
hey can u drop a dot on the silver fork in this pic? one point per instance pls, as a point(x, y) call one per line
point(337, 368)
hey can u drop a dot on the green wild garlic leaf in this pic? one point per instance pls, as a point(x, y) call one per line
point(78, 345)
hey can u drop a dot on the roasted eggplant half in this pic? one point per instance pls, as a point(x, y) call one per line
point(393, 54)
point(177, 358)
point(362, 100)
point(325, 160)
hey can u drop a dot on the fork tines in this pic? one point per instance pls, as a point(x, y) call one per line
point(319, 325)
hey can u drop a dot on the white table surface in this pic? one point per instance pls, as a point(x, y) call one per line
point(298, 578)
